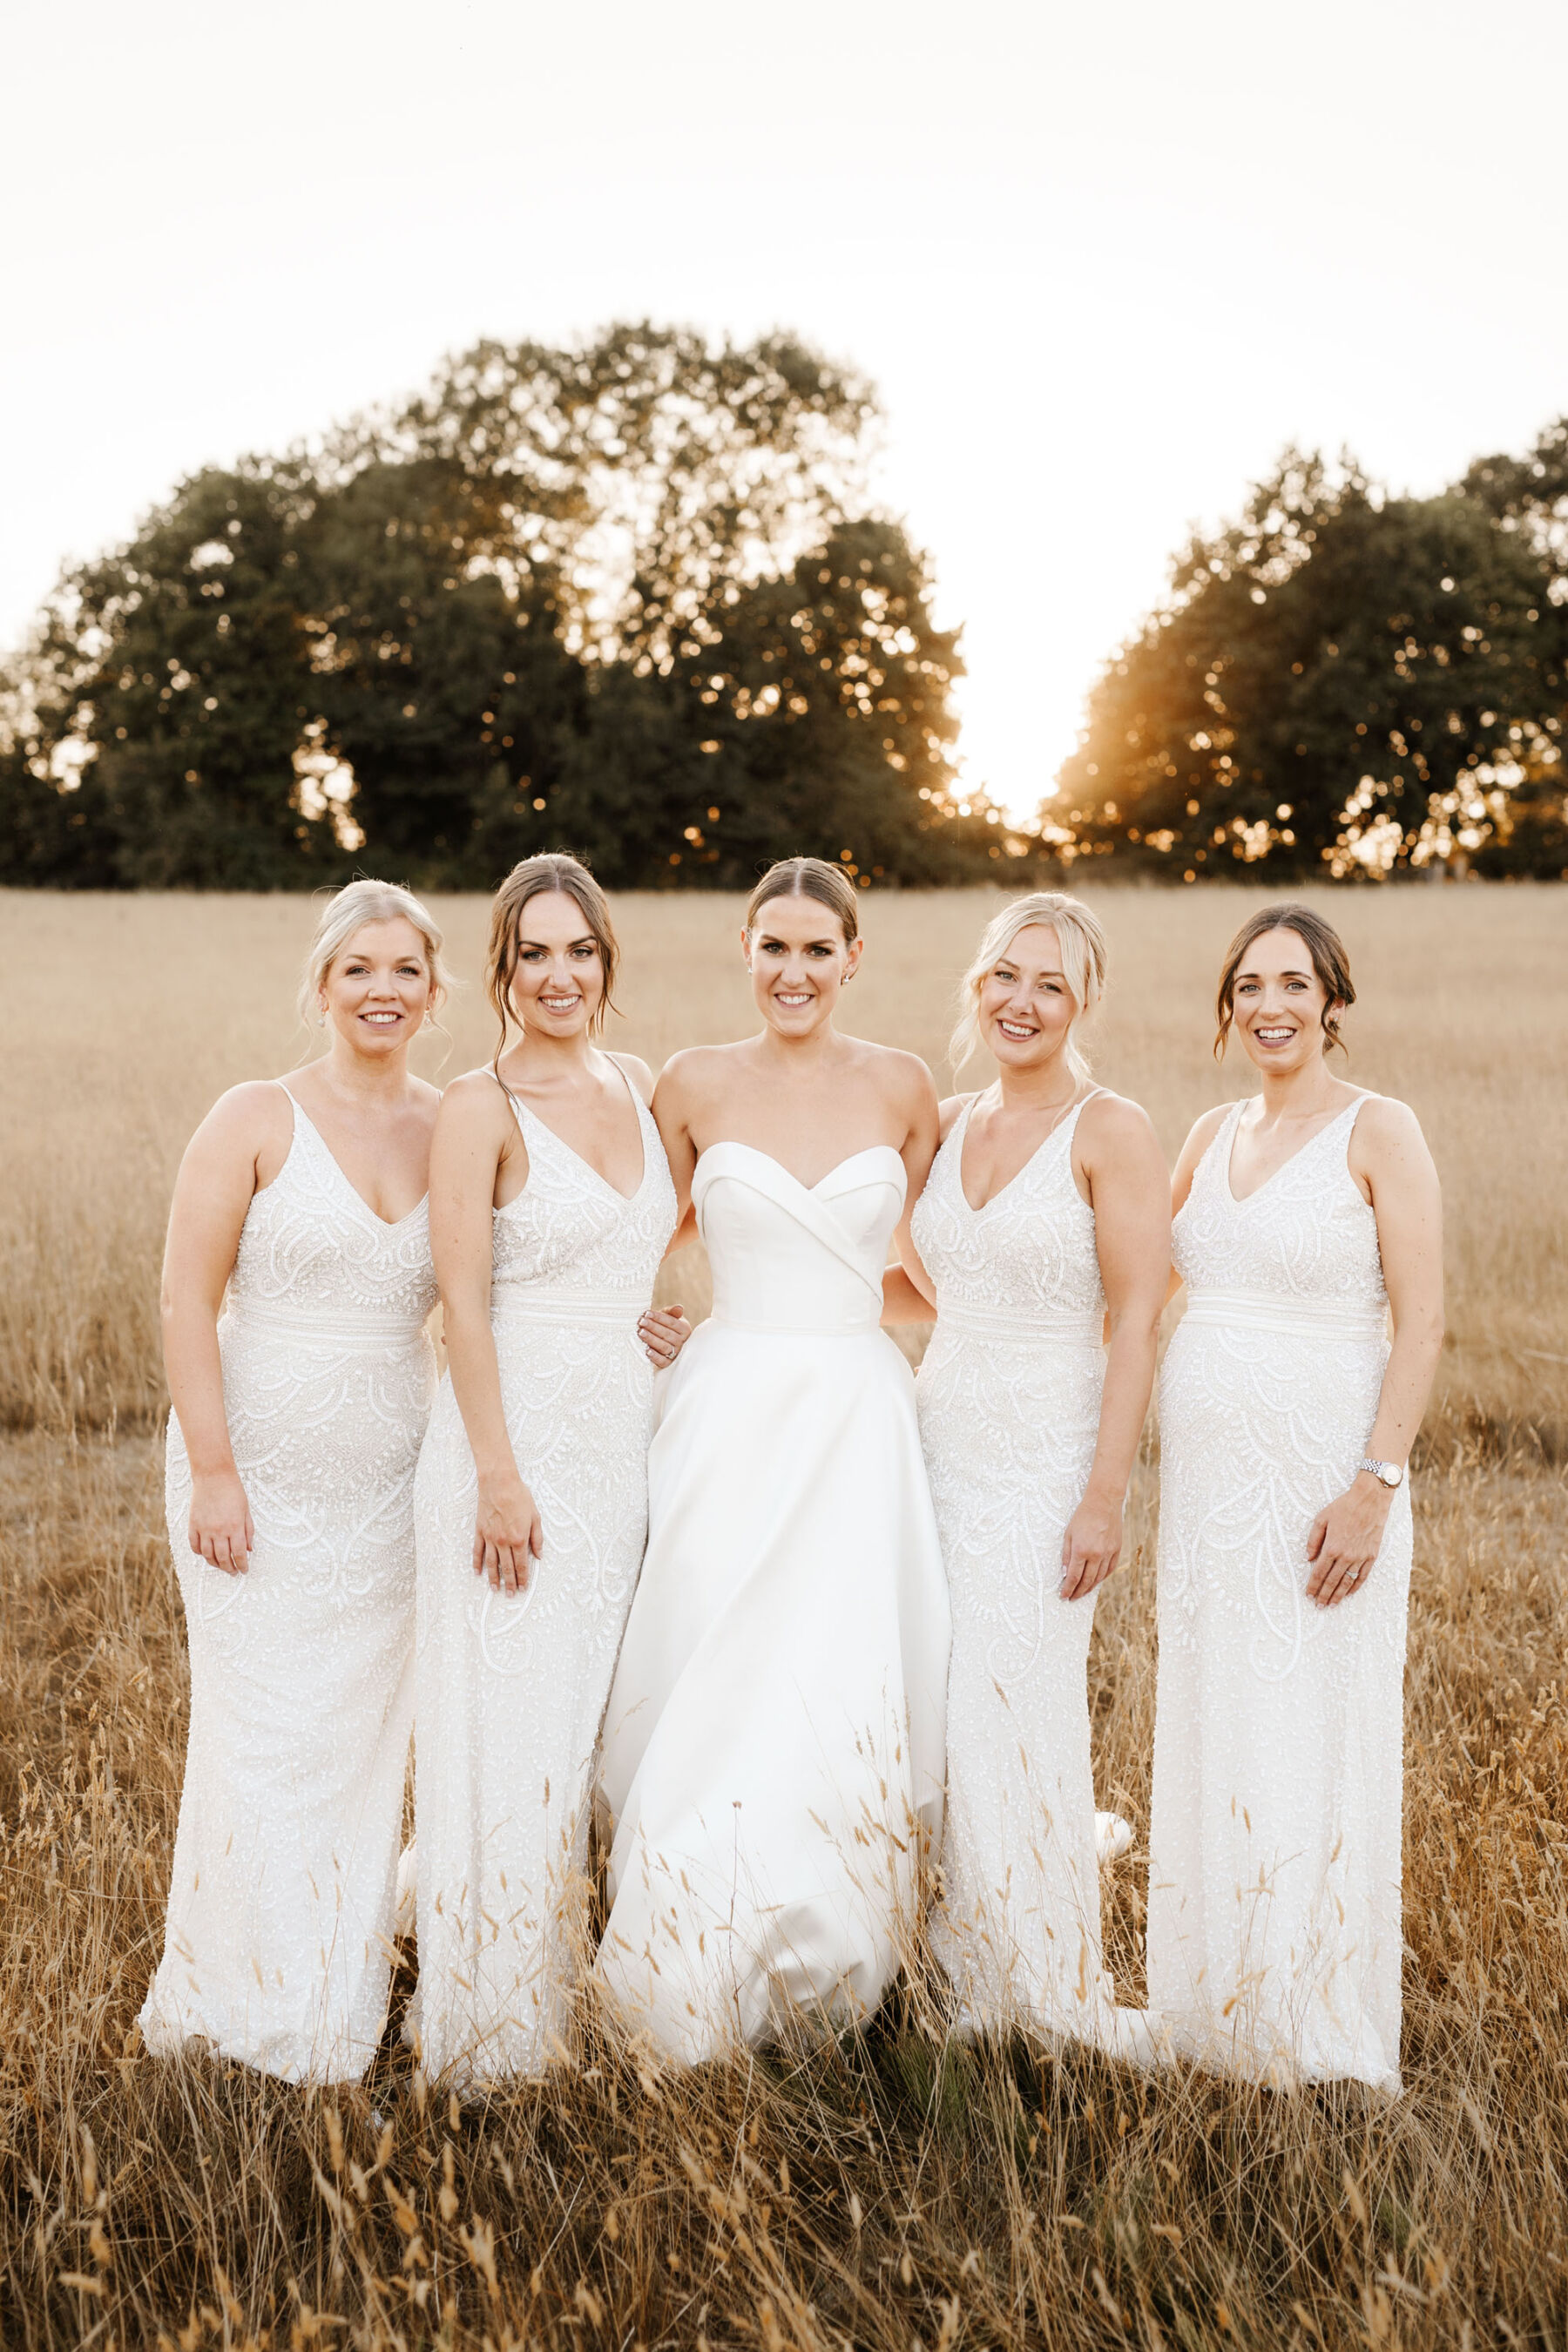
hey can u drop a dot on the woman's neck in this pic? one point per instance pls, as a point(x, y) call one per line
point(1043, 1086)
point(1299, 1094)
point(799, 1056)
point(540, 1061)
point(370, 1081)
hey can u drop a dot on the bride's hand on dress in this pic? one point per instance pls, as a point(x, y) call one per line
point(1345, 1539)
point(221, 1528)
point(508, 1534)
point(1091, 1546)
point(664, 1331)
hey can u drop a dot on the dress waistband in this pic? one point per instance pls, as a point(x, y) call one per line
point(1265, 1310)
point(796, 1331)
point(1080, 1328)
point(557, 1302)
point(336, 1327)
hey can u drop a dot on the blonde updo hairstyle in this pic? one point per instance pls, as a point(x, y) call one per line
point(551, 870)
point(346, 910)
point(1083, 952)
point(808, 877)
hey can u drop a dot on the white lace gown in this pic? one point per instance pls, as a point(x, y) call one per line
point(773, 1744)
point(1274, 1882)
point(281, 1901)
point(1009, 1411)
point(512, 1687)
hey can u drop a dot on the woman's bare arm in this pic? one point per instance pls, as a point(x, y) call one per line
point(474, 1132)
point(1388, 1152)
point(1125, 1169)
point(239, 1145)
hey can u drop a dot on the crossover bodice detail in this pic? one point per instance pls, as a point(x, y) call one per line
point(788, 1256)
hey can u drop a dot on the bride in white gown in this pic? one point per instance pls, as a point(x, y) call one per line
point(773, 1756)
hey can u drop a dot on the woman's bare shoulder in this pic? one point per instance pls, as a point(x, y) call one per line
point(636, 1071)
point(950, 1110)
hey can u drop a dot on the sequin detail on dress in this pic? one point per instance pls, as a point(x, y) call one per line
point(512, 1687)
point(1274, 1890)
point(1009, 1413)
point(280, 1905)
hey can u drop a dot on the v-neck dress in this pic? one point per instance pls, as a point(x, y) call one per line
point(774, 1742)
point(513, 1686)
point(1009, 1398)
point(282, 1897)
point(1275, 1850)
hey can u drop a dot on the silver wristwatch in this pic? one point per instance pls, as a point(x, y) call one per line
point(1390, 1473)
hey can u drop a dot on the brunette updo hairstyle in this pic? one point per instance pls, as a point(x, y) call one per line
point(552, 870)
point(809, 878)
point(367, 901)
point(1324, 946)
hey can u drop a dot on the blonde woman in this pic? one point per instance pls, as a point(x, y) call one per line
point(550, 1208)
point(296, 1285)
point(1046, 1218)
point(772, 1746)
point(1306, 1215)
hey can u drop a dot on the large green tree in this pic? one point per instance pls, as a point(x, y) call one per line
point(586, 596)
point(1340, 684)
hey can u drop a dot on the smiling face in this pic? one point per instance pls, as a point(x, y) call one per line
point(376, 993)
point(559, 983)
point(799, 961)
point(1025, 1006)
point(1280, 1004)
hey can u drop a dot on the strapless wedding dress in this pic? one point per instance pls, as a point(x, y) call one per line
point(773, 1745)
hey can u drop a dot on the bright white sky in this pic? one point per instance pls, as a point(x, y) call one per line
point(1102, 261)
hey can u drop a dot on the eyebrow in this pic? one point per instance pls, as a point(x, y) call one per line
point(1292, 972)
point(774, 940)
point(585, 939)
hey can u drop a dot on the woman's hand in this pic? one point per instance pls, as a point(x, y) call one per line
point(664, 1331)
point(1345, 1539)
point(221, 1528)
point(508, 1536)
point(1091, 1545)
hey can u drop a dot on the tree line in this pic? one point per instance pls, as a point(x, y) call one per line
point(630, 598)
point(1344, 685)
point(634, 598)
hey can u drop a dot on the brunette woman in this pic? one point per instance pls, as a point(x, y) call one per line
point(1308, 1216)
point(550, 1208)
point(773, 1744)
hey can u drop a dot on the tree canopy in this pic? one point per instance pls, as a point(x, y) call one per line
point(1341, 684)
point(631, 599)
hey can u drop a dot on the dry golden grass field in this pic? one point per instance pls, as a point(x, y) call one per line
point(886, 2192)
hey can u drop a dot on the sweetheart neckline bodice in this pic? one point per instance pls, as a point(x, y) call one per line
point(734, 1143)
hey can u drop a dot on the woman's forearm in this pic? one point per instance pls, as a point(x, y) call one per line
point(1407, 1385)
point(475, 1384)
point(194, 1366)
point(1123, 1406)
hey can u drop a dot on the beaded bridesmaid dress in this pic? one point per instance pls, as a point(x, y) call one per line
point(281, 1904)
point(1009, 1413)
point(513, 1686)
point(1275, 1865)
